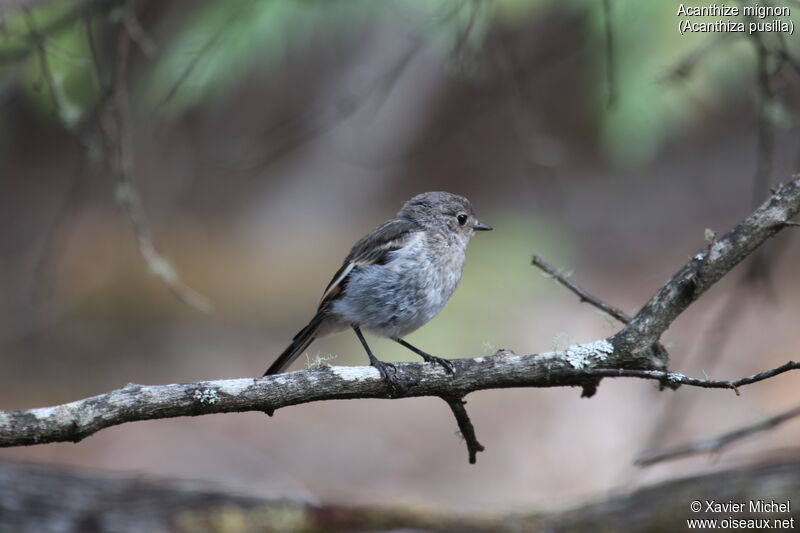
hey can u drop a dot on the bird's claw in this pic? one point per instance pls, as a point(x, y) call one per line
point(444, 363)
point(389, 377)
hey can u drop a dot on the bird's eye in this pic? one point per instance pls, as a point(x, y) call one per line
point(462, 219)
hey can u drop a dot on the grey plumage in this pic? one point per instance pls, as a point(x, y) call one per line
point(396, 278)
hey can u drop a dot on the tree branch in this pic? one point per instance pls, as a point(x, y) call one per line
point(686, 66)
point(465, 427)
point(13, 55)
point(632, 352)
point(710, 265)
point(715, 444)
point(77, 420)
point(584, 296)
point(116, 126)
point(611, 84)
point(32, 499)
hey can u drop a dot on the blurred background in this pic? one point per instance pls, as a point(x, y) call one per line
point(156, 156)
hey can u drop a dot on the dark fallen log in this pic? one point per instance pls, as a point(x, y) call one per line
point(42, 499)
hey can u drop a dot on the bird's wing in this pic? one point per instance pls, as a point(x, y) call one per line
point(372, 249)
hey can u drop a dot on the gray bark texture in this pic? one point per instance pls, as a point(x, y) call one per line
point(40, 499)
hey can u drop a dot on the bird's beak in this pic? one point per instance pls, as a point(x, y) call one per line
point(480, 226)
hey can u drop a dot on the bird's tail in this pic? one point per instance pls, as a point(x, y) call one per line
point(300, 342)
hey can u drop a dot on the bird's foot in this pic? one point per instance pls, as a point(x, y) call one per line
point(389, 374)
point(444, 363)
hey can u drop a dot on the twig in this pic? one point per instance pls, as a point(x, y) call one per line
point(711, 348)
point(465, 426)
point(611, 84)
point(528, 131)
point(117, 132)
point(710, 265)
point(51, 248)
point(734, 384)
point(59, 23)
point(582, 294)
point(56, 235)
point(463, 36)
point(102, 83)
point(759, 267)
point(686, 66)
point(47, 73)
point(295, 132)
point(190, 66)
point(715, 444)
point(136, 31)
point(759, 263)
point(765, 144)
point(784, 56)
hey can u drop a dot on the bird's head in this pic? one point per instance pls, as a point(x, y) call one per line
point(443, 211)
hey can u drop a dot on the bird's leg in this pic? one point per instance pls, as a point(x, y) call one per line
point(447, 365)
point(383, 368)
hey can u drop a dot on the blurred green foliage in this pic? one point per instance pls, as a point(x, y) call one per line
point(213, 46)
point(219, 43)
point(57, 73)
point(653, 101)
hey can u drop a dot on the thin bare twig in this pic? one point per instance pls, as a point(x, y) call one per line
point(463, 36)
point(128, 197)
point(582, 294)
point(115, 124)
point(136, 31)
point(766, 134)
point(44, 64)
point(294, 130)
point(716, 444)
point(611, 83)
point(528, 129)
point(759, 268)
point(759, 264)
point(56, 235)
point(192, 64)
point(710, 348)
point(58, 23)
point(784, 56)
point(465, 427)
point(51, 247)
point(709, 266)
point(685, 67)
point(102, 83)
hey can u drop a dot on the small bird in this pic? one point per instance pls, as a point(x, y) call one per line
point(395, 279)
